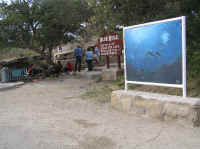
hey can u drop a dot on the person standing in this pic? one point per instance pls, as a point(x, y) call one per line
point(89, 58)
point(97, 53)
point(78, 52)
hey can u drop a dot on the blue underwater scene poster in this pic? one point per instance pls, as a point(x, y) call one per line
point(154, 53)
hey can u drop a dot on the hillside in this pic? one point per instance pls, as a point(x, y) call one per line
point(11, 53)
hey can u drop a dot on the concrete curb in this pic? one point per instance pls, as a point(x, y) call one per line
point(6, 86)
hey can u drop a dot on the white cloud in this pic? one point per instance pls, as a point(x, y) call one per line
point(165, 37)
point(8, 1)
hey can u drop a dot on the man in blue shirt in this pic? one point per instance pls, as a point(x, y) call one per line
point(78, 52)
point(89, 58)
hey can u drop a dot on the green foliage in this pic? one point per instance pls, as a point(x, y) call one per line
point(110, 13)
point(41, 24)
point(193, 63)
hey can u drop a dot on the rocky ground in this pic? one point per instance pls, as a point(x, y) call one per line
point(51, 114)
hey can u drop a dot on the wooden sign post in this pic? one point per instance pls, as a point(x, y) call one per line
point(107, 61)
point(119, 61)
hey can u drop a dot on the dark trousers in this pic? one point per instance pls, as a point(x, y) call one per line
point(89, 62)
point(78, 63)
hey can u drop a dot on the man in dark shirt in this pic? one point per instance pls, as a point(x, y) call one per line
point(78, 52)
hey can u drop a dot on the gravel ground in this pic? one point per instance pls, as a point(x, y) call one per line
point(51, 115)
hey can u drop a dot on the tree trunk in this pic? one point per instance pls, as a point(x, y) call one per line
point(49, 56)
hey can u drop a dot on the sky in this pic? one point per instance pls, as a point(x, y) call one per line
point(7, 1)
point(149, 47)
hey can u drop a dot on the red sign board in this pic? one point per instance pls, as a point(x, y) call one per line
point(110, 44)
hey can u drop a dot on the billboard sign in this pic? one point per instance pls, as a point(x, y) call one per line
point(155, 53)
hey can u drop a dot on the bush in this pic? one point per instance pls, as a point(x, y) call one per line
point(193, 63)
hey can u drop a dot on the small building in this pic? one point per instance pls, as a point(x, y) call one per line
point(13, 69)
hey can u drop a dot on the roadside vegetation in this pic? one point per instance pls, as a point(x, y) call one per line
point(98, 94)
point(100, 91)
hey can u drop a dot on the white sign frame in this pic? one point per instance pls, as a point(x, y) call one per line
point(183, 85)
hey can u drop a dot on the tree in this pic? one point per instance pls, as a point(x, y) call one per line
point(129, 12)
point(43, 24)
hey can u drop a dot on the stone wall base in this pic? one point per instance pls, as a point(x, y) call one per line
point(163, 107)
point(111, 74)
point(91, 75)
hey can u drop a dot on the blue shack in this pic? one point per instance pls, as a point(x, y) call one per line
point(13, 70)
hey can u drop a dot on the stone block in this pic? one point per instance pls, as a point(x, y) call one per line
point(195, 116)
point(91, 75)
point(116, 101)
point(163, 107)
point(174, 111)
point(126, 103)
point(121, 102)
point(111, 74)
point(155, 108)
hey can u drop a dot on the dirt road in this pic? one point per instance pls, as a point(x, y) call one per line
point(52, 115)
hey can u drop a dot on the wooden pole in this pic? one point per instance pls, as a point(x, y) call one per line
point(119, 61)
point(108, 61)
